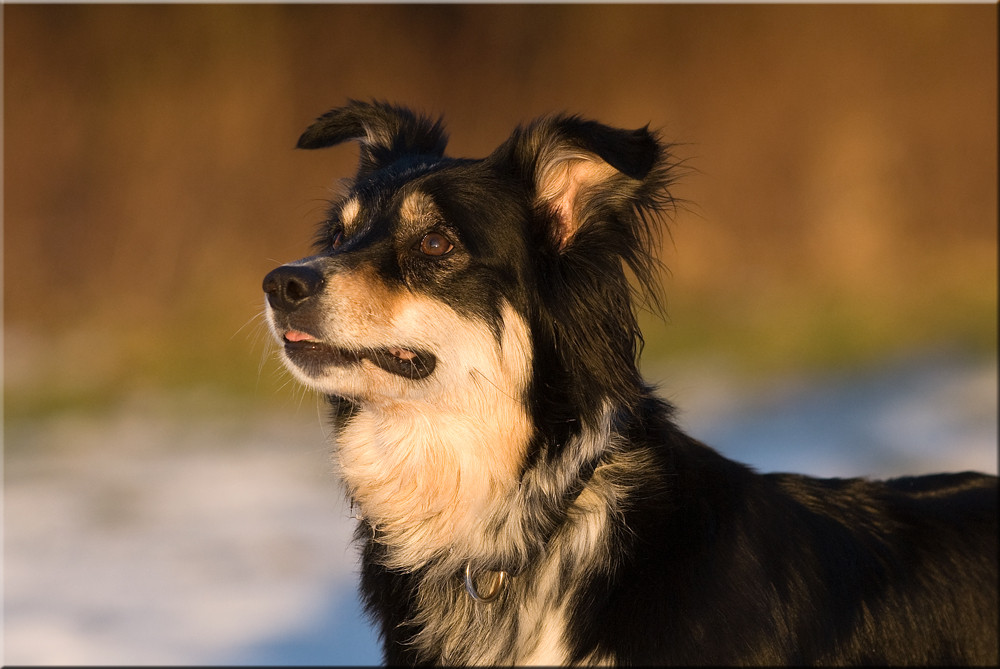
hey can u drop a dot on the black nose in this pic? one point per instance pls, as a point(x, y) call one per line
point(290, 285)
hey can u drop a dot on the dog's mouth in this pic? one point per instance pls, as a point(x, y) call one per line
point(313, 356)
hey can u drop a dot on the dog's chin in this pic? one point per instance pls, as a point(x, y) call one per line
point(317, 359)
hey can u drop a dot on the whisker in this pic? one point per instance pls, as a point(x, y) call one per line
point(260, 318)
point(476, 374)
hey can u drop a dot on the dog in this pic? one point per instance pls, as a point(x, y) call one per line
point(523, 496)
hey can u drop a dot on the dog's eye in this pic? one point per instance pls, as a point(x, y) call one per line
point(435, 244)
point(338, 239)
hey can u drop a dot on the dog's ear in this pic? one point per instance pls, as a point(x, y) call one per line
point(386, 133)
point(583, 172)
point(596, 193)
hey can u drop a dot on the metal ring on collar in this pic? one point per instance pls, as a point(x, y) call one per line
point(499, 580)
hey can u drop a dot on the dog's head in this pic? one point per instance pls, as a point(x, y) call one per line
point(470, 318)
point(434, 275)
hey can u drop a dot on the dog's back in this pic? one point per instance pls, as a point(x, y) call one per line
point(786, 569)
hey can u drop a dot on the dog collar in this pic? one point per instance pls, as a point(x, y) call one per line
point(499, 581)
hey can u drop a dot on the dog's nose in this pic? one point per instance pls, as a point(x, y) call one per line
point(290, 285)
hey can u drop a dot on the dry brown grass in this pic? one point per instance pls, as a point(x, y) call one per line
point(846, 201)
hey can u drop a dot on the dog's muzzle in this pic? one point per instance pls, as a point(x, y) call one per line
point(289, 289)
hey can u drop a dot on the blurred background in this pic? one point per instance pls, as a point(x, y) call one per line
point(832, 294)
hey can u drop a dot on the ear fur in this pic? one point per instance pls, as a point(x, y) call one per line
point(597, 192)
point(386, 132)
point(574, 163)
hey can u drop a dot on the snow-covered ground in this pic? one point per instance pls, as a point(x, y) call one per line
point(169, 536)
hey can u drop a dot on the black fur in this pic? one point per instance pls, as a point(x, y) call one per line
point(700, 560)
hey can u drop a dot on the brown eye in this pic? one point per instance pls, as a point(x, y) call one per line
point(435, 244)
point(338, 239)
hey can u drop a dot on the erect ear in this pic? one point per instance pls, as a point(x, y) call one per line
point(583, 172)
point(386, 132)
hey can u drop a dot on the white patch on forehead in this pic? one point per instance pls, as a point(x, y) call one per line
point(349, 212)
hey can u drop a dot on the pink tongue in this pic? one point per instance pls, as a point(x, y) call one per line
point(295, 335)
point(402, 353)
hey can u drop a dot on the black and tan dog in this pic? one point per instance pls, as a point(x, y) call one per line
point(524, 497)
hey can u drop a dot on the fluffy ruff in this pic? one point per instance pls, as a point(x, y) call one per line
point(472, 323)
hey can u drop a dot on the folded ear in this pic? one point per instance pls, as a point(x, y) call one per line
point(584, 172)
point(596, 191)
point(386, 132)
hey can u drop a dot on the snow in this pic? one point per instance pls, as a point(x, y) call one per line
point(162, 536)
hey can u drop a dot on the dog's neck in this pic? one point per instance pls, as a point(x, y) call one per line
point(424, 476)
point(553, 526)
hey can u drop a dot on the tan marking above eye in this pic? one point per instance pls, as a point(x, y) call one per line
point(417, 206)
point(349, 212)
